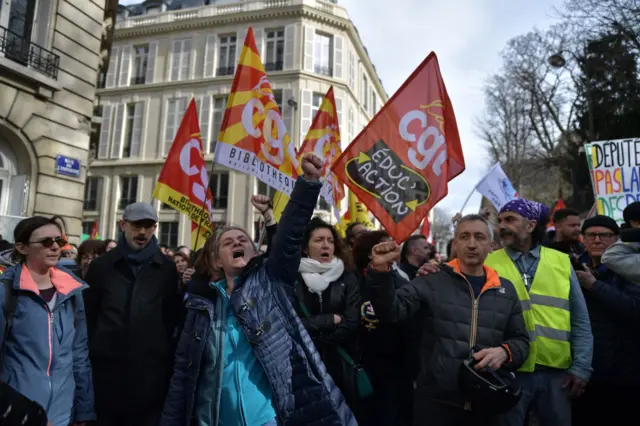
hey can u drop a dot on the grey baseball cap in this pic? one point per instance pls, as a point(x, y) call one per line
point(137, 212)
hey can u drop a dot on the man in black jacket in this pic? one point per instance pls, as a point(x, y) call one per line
point(464, 306)
point(133, 310)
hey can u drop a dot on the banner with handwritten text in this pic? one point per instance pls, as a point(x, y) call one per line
point(615, 174)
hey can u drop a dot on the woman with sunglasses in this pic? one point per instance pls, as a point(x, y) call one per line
point(44, 343)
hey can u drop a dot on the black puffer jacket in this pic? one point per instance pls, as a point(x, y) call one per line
point(444, 305)
point(342, 297)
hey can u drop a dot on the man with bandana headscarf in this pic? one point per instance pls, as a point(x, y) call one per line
point(561, 344)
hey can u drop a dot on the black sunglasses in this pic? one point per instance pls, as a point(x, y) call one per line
point(48, 242)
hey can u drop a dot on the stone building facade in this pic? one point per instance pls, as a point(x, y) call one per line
point(166, 53)
point(51, 53)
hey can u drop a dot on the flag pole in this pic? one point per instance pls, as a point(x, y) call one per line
point(473, 191)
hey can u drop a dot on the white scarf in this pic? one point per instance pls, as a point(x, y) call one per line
point(317, 276)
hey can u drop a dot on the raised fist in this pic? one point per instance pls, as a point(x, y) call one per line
point(311, 166)
point(262, 203)
point(384, 254)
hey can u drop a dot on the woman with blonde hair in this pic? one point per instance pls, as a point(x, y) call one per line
point(244, 357)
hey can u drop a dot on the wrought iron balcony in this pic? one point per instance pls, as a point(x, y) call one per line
point(323, 70)
point(139, 79)
point(274, 66)
point(18, 49)
point(222, 71)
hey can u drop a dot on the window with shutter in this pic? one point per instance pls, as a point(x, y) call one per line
point(306, 115)
point(227, 54)
point(210, 56)
point(175, 111)
point(136, 133)
point(339, 111)
point(374, 103)
point(289, 46)
point(128, 191)
point(125, 66)
point(287, 111)
point(180, 59)
point(338, 57)
point(203, 104)
point(105, 131)
point(352, 70)
point(112, 73)
point(219, 185)
point(151, 63)
point(140, 64)
point(364, 98)
point(242, 34)
point(258, 35)
point(219, 106)
point(350, 128)
point(323, 54)
point(309, 34)
point(275, 46)
point(90, 202)
point(118, 128)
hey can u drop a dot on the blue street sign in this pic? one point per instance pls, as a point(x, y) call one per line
point(67, 166)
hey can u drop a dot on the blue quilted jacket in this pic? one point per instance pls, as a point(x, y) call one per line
point(303, 393)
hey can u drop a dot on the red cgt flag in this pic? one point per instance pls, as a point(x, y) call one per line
point(184, 181)
point(559, 206)
point(94, 231)
point(399, 166)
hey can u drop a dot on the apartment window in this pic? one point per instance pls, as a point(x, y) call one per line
point(175, 111)
point(277, 96)
point(87, 227)
point(181, 58)
point(220, 189)
point(350, 125)
point(165, 206)
point(374, 103)
point(227, 55)
point(91, 194)
point(169, 234)
point(219, 105)
point(128, 191)
point(315, 105)
point(323, 54)
point(274, 59)
point(352, 70)
point(363, 91)
point(140, 61)
point(133, 130)
point(264, 189)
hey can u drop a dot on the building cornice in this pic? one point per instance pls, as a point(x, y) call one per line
point(298, 11)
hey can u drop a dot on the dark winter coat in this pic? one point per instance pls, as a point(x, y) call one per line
point(303, 392)
point(444, 304)
point(131, 320)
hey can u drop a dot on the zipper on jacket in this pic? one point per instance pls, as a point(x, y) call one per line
point(320, 299)
point(50, 318)
point(237, 377)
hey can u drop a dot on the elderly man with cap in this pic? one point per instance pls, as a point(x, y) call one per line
point(561, 344)
point(133, 310)
point(614, 309)
point(623, 258)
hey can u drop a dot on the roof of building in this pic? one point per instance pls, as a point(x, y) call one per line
point(141, 8)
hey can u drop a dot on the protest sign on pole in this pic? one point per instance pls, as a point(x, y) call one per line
point(253, 138)
point(399, 166)
point(614, 167)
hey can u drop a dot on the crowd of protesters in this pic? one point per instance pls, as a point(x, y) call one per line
point(519, 325)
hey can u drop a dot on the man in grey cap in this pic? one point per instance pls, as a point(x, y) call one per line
point(133, 310)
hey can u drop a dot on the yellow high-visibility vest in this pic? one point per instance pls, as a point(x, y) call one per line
point(545, 306)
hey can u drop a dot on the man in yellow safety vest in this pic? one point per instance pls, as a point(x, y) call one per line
point(561, 344)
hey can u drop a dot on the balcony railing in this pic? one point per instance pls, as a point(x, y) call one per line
point(225, 9)
point(139, 79)
point(274, 66)
point(222, 71)
point(323, 70)
point(18, 49)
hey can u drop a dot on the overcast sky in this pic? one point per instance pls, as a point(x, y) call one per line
point(467, 36)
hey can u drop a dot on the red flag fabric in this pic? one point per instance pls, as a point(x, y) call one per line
point(94, 231)
point(184, 179)
point(399, 166)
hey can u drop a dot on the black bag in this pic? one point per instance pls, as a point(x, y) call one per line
point(15, 408)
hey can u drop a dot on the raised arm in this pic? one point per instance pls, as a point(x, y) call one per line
point(285, 254)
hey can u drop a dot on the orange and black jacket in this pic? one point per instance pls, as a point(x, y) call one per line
point(451, 322)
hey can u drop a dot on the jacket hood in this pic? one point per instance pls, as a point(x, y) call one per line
point(5, 258)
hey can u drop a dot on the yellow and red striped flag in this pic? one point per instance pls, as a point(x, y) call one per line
point(253, 138)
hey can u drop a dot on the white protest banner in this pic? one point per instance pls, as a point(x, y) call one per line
point(496, 187)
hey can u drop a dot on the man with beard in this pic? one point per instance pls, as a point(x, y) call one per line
point(567, 236)
point(561, 344)
point(133, 310)
point(415, 253)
